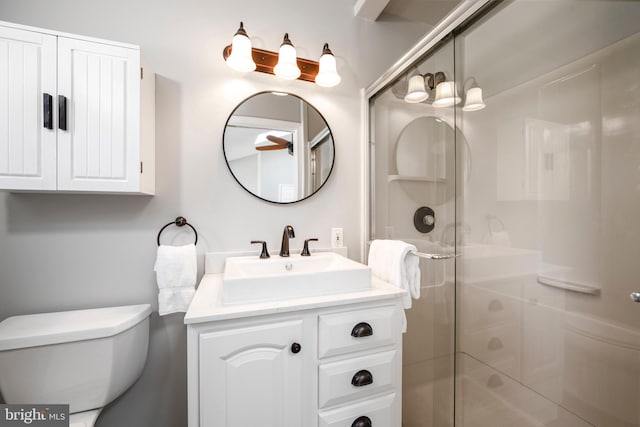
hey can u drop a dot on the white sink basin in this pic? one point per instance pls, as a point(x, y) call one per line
point(250, 279)
point(486, 262)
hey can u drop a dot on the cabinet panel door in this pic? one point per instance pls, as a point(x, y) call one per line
point(99, 151)
point(250, 377)
point(27, 148)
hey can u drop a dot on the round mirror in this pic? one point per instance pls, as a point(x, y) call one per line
point(278, 147)
point(426, 159)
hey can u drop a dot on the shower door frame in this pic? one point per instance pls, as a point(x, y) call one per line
point(453, 21)
point(451, 24)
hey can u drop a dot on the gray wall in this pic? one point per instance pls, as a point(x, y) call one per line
point(62, 252)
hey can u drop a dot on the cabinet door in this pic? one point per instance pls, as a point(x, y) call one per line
point(27, 147)
point(100, 148)
point(250, 376)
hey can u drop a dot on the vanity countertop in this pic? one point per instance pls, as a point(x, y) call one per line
point(207, 303)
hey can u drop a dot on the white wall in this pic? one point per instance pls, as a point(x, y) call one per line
point(71, 251)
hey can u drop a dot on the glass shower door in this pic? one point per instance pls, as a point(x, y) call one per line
point(413, 184)
point(548, 335)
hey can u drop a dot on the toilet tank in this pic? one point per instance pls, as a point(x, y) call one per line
point(84, 358)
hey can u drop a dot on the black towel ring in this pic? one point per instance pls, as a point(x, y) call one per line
point(180, 222)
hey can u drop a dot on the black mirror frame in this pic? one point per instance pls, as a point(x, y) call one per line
point(236, 178)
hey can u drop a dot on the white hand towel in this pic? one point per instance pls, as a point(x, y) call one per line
point(176, 270)
point(395, 261)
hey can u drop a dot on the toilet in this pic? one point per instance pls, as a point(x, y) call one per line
point(83, 358)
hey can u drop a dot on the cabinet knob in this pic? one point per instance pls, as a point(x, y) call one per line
point(362, 422)
point(295, 348)
point(362, 329)
point(362, 378)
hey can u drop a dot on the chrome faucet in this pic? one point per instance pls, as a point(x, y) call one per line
point(287, 234)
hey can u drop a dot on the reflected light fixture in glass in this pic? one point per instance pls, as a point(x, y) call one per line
point(417, 92)
point(446, 95)
point(240, 58)
point(287, 66)
point(473, 100)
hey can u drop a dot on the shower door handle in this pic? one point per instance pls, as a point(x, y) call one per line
point(435, 256)
point(635, 296)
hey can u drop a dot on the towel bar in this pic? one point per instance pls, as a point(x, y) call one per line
point(429, 256)
point(434, 256)
point(180, 222)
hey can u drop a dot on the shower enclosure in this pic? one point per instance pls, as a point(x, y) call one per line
point(521, 168)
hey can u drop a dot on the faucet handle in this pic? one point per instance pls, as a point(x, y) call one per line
point(265, 253)
point(305, 248)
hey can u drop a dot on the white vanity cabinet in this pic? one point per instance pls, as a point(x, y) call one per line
point(331, 364)
point(80, 114)
point(254, 374)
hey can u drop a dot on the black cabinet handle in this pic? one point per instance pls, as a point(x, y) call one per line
point(62, 112)
point(295, 348)
point(362, 422)
point(47, 110)
point(362, 329)
point(362, 378)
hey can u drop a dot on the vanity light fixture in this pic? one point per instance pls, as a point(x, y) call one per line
point(285, 63)
point(327, 74)
point(240, 58)
point(287, 66)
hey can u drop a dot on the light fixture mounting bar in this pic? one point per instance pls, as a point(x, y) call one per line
point(265, 61)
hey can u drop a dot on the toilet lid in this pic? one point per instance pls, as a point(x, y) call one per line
point(55, 328)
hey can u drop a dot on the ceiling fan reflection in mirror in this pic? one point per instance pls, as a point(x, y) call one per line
point(279, 143)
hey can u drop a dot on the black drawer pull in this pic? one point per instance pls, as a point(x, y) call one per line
point(47, 110)
point(362, 422)
point(362, 378)
point(362, 329)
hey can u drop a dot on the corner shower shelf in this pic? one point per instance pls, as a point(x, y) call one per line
point(570, 286)
point(392, 178)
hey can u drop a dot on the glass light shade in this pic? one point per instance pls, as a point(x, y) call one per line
point(240, 58)
point(446, 95)
point(287, 66)
point(417, 92)
point(473, 101)
point(327, 74)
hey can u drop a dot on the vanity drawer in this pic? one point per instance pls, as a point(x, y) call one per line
point(498, 347)
point(483, 308)
point(349, 331)
point(379, 412)
point(357, 377)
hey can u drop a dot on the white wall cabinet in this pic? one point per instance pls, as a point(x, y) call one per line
point(533, 160)
point(80, 114)
point(333, 367)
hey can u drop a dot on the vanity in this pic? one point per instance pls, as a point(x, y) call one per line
point(327, 355)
